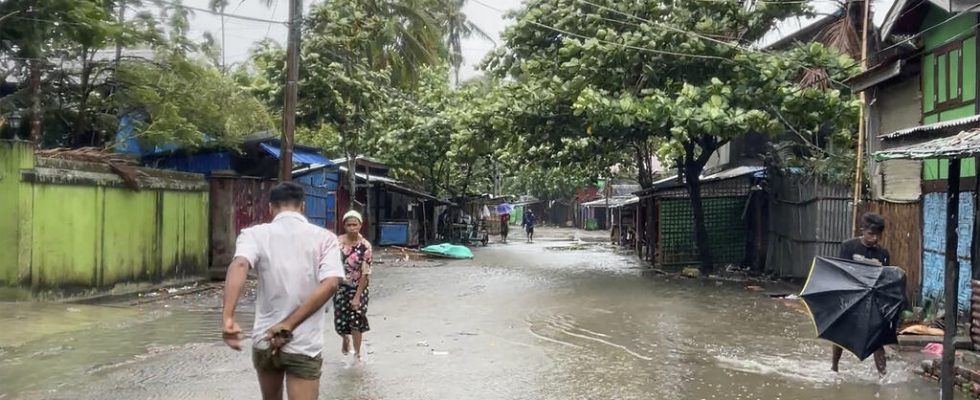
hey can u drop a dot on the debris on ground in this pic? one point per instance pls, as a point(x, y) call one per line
point(691, 272)
point(121, 165)
point(922, 330)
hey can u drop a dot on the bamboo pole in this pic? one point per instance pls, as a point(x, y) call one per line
point(862, 123)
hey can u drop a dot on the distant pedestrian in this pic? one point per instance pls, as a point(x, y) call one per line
point(528, 223)
point(504, 210)
point(351, 302)
point(504, 227)
point(865, 249)
point(298, 266)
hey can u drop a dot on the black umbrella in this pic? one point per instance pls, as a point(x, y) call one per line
point(855, 305)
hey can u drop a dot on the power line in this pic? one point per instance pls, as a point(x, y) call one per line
point(625, 46)
point(917, 35)
point(274, 9)
point(649, 50)
point(924, 31)
point(667, 26)
point(233, 16)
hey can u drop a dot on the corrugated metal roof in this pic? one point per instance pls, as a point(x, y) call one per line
point(300, 156)
point(613, 202)
point(620, 190)
point(805, 33)
point(372, 177)
point(673, 181)
point(965, 144)
point(936, 127)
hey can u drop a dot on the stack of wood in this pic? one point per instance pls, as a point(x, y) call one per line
point(122, 165)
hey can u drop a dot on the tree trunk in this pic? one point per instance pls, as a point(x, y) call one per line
point(692, 174)
point(466, 178)
point(78, 131)
point(345, 143)
point(35, 72)
point(644, 175)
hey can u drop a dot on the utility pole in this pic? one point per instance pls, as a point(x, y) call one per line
point(862, 123)
point(122, 19)
point(224, 66)
point(292, 75)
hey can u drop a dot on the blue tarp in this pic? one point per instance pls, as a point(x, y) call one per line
point(300, 156)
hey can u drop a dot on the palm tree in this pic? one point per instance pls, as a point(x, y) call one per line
point(410, 39)
point(457, 27)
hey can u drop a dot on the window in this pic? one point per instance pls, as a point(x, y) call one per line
point(947, 71)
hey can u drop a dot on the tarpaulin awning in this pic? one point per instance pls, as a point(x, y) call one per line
point(300, 155)
point(963, 145)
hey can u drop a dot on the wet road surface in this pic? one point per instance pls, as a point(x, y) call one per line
point(549, 320)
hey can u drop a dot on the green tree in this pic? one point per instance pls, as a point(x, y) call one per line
point(674, 78)
point(84, 89)
point(183, 100)
point(41, 37)
point(444, 139)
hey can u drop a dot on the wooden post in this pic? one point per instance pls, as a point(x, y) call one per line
point(292, 76)
point(952, 279)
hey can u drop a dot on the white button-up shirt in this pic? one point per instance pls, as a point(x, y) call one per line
point(292, 257)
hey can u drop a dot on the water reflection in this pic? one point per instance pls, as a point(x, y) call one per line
point(518, 322)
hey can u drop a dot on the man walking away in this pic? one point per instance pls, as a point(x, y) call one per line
point(865, 249)
point(528, 224)
point(298, 266)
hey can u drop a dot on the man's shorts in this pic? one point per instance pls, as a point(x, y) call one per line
point(298, 365)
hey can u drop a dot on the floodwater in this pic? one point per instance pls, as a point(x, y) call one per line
point(520, 321)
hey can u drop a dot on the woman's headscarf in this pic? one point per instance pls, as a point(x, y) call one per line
point(354, 214)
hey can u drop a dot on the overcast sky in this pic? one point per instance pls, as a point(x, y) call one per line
point(242, 34)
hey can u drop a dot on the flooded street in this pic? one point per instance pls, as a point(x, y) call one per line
point(520, 321)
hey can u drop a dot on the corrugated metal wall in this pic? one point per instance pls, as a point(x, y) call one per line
point(236, 203)
point(903, 239)
point(321, 197)
point(934, 247)
point(807, 219)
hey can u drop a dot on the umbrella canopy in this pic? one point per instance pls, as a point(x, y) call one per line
point(855, 305)
point(504, 208)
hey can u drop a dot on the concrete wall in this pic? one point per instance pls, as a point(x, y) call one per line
point(15, 217)
point(75, 229)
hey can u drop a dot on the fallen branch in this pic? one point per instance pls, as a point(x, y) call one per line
point(121, 165)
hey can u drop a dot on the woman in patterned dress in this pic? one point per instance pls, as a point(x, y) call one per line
point(351, 300)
